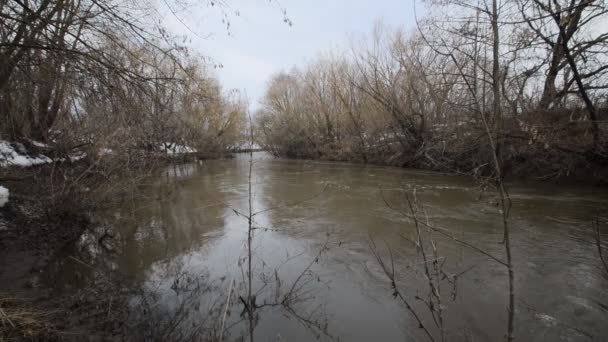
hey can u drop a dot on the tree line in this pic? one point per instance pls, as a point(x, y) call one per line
point(533, 72)
point(107, 74)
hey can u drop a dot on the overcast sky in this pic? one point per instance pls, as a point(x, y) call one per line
point(259, 43)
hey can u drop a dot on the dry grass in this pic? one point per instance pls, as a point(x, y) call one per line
point(20, 321)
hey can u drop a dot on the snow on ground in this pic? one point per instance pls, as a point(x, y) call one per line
point(105, 151)
point(3, 196)
point(77, 156)
point(39, 144)
point(247, 146)
point(171, 148)
point(16, 155)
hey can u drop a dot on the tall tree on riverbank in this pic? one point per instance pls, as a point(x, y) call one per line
point(576, 50)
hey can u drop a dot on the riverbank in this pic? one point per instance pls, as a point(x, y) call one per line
point(562, 163)
point(30, 237)
point(41, 221)
point(47, 210)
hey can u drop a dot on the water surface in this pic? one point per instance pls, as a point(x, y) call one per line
point(183, 238)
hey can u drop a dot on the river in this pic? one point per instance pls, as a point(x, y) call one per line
point(182, 238)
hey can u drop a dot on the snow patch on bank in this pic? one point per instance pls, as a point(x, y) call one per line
point(105, 151)
point(77, 156)
point(16, 155)
point(171, 148)
point(4, 193)
point(246, 146)
point(39, 144)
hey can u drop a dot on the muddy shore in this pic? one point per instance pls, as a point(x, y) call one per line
point(33, 310)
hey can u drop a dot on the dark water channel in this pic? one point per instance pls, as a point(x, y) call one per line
point(182, 238)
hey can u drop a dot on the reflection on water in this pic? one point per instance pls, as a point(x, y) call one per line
point(181, 238)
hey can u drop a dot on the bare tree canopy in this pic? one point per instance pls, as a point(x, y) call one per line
point(105, 68)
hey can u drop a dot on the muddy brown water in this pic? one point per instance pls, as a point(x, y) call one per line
point(182, 238)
